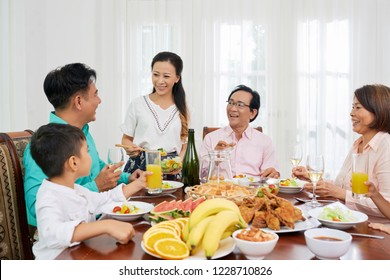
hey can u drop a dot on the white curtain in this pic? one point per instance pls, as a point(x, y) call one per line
point(304, 57)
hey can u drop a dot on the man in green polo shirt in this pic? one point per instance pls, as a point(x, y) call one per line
point(72, 91)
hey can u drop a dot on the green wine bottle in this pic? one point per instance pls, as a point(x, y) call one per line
point(190, 167)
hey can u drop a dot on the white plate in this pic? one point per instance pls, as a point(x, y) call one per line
point(292, 189)
point(299, 226)
point(360, 217)
point(143, 206)
point(226, 246)
point(175, 185)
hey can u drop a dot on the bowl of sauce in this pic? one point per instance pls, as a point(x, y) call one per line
point(326, 243)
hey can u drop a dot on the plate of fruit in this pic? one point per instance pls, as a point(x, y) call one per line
point(127, 211)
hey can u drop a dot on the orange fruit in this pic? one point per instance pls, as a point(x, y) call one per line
point(170, 224)
point(171, 249)
point(155, 236)
point(157, 229)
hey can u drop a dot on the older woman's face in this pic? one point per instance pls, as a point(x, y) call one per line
point(361, 118)
point(240, 116)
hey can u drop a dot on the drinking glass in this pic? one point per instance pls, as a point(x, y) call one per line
point(204, 169)
point(359, 175)
point(315, 168)
point(153, 164)
point(115, 155)
point(295, 155)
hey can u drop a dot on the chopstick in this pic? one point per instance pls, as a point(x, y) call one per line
point(367, 235)
point(129, 147)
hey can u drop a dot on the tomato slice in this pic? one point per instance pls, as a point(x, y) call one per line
point(116, 209)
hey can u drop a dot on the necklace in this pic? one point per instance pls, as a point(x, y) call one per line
point(162, 128)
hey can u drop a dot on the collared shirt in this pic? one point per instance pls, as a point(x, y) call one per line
point(253, 153)
point(34, 175)
point(60, 209)
point(378, 150)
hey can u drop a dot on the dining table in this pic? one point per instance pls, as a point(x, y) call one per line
point(291, 244)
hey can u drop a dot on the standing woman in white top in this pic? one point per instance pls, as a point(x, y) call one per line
point(159, 119)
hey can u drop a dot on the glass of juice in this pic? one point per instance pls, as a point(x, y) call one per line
point(359, 175)
point(153, 164)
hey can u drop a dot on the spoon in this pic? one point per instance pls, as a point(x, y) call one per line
point(319, 200)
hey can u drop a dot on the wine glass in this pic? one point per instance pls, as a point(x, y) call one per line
point(115, 155)
point(295, 155)
point(315, 168)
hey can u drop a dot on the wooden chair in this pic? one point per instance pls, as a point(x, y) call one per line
point(15, 238)
point(207, 129)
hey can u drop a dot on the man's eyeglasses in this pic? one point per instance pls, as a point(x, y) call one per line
point(238, 104)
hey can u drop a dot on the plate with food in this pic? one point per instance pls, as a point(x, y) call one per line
point(127, 210)
point(337, 215)
point(171, 165)
point(291, 185)
point(226, 246)
point(171, 186)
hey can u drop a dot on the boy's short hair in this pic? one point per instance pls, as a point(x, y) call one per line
point(53, 144)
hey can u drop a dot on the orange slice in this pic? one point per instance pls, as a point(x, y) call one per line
point(153, 237)
point(171, 249)
point(170, 224)
point(158, 229)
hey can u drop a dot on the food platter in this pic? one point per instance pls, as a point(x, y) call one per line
point(298, 226)
point(359, 216)
point(144, 208)
point(226, 246)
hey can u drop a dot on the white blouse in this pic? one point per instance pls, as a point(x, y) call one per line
point(153, 127)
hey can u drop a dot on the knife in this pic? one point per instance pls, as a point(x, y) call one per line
point(319, 200)
point(367, 235)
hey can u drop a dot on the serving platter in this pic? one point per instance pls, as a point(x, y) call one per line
point(226, 246)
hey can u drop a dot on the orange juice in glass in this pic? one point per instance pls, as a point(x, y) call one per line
point(153, 164)
point(359, 175)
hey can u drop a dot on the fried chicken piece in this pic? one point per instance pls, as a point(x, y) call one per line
point(259, 220)
point(247, 213)
point(285, 216)
point(259, 203)
point(272, 221)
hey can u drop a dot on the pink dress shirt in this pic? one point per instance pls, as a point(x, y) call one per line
point(251, 154)
point(378, 150)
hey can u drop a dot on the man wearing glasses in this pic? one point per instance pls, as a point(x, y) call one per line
point(253, 153)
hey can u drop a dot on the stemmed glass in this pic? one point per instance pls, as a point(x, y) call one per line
point(295, 155)
point(315, 168)
point(115, 155)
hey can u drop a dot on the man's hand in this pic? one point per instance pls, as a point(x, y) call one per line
point(222, 145)
point(108, 177)
point(270, 173)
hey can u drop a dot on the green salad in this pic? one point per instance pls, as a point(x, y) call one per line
point(337, 214)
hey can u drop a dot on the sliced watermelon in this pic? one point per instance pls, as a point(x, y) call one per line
point(197, 202)
point(164, 207)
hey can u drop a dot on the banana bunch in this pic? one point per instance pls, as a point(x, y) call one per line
point(211, 222)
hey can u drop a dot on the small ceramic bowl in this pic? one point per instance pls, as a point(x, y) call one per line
point(255, 250)
point(328, 243)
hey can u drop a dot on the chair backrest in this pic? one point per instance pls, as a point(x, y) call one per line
point(208, 129)
point(15, 239)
